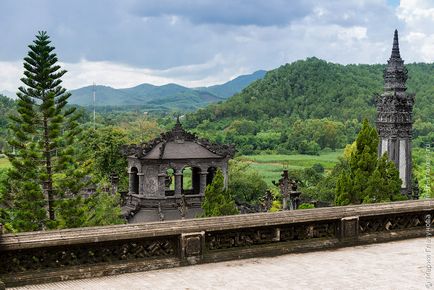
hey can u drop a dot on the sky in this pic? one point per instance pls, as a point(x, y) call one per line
point(203, 42)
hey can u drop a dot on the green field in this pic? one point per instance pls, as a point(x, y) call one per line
point(4, 163)
point(270, 166)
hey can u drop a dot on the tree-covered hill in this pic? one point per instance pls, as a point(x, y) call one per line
point(234, 86)
point(306, 100)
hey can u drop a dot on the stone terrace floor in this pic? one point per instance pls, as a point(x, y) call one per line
point(394, 265)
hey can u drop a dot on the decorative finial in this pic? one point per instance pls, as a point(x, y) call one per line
point(177, 130)
point(395, 48)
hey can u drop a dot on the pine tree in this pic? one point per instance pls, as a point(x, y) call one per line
point(43, 131)
point(217, 200)
point(368, 178)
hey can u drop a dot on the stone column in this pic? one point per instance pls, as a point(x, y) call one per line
point(225, 176)
point(130, 182)
point(202, 182)
point(141, 183)
point(285, 202)
point(161, 184)
point(178, 183)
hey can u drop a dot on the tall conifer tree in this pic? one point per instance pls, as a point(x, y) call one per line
point(218, 201)
point(43, 132)
point(368, 178)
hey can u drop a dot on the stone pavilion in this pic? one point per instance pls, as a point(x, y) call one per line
point(158, 189)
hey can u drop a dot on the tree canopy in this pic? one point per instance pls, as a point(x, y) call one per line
point(368, 178)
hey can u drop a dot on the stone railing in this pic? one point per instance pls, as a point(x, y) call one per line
point(38, 257)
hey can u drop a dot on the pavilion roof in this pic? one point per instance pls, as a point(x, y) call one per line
point(178, 144)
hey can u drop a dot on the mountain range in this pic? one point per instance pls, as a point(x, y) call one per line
point(165, 97)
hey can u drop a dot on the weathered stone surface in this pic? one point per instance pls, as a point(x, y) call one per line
point(192, 247)
point(39, 257)
point(150, 176)
point(350, 227)
point(394, 117)
point(393, 265)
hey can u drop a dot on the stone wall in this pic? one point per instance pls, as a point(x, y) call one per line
point(48, 256)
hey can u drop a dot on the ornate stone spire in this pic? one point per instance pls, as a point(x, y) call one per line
point(394, 117)
point(177, 130)
point(395, 74)
point(395, 47)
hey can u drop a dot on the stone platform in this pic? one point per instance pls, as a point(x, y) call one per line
point(393, 265)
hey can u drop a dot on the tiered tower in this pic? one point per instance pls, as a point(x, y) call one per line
point(394, 117)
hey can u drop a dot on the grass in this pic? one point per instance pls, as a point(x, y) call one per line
point(270, 166)
point(4, 163)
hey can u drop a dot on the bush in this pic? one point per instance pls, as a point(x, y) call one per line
point(306, 206)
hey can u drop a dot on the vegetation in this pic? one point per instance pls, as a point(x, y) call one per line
point(423, 170)
point(270, 166)
point(44, 167)
point(42, 188)
point(367, 178)
point(310, 105)
point(218, 201)
point(4, 163)
point(300, 116)
point(245, 183)
point(7, 107)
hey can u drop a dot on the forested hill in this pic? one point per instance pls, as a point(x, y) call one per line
point(307, 90)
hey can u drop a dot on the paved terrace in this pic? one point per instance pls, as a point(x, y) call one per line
point(393, 265)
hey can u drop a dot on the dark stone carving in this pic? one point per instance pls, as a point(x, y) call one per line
point(267, 201)
point(350, 227)
point(55, 257)
point(386, 223)
point(259, 236)
point(42, 257)
point(394, 116)
point(154, 166)
point(288, 189)
point(177, 133)
point(192, 247)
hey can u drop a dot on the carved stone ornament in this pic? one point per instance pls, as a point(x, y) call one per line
point(177, 134)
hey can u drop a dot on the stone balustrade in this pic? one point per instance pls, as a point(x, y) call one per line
point(38, 257)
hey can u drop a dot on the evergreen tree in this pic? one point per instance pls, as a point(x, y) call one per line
point(367, 178)
point(43, 131)
point(217, 200)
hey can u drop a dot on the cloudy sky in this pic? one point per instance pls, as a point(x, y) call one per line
point(204, 42)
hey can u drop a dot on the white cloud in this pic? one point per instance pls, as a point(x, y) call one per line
point(203, 43)
point(10, 74)
point(418, 33)
point(117, 75)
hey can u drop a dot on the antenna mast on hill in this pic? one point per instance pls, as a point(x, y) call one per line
point(93, 106)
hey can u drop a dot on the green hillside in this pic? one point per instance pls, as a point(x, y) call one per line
point(105, 96)
point(309, 105)
point(234, 86)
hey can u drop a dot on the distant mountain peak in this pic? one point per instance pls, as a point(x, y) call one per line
point(8, 94)
point(169, 96)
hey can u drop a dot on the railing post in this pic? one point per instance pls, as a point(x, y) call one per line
point(192, 246)
point(349, 228)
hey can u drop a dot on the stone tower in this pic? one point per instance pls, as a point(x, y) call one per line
point(394, 117)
